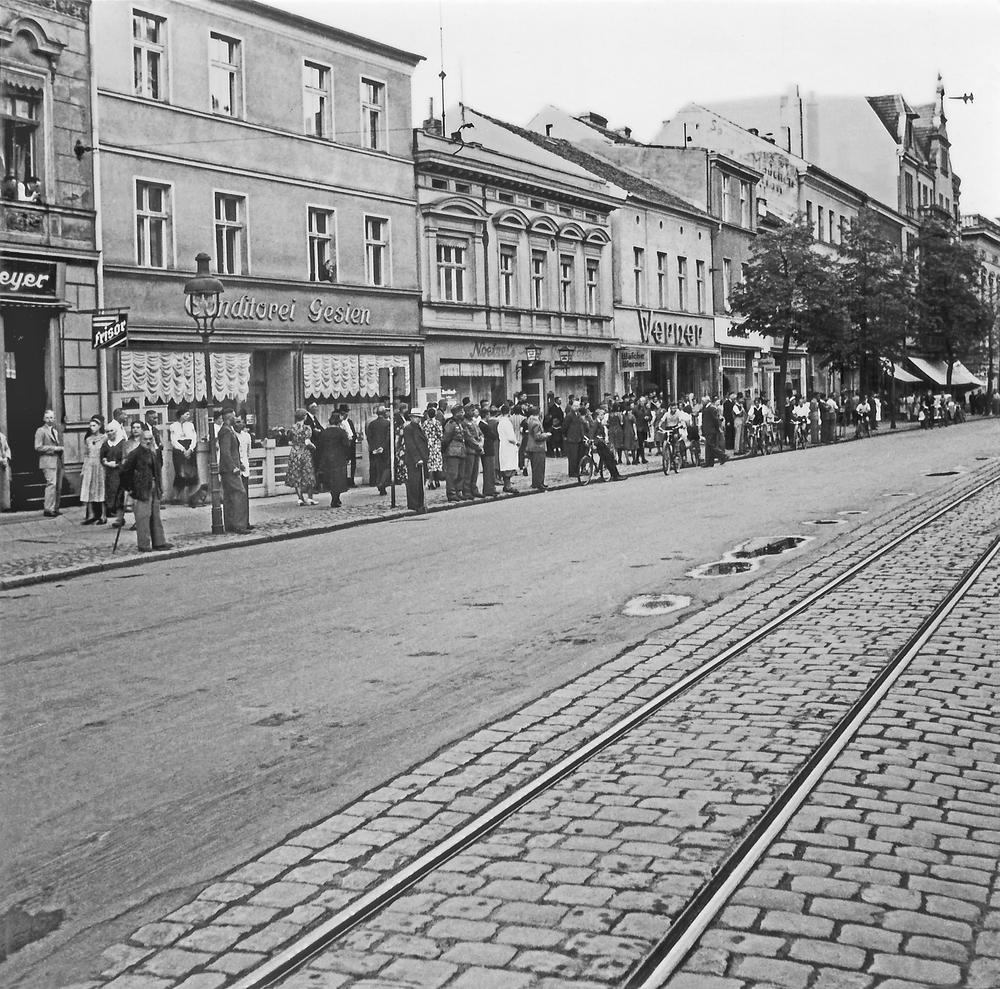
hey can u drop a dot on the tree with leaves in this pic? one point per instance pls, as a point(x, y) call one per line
point(953, 323)
point(791, 292)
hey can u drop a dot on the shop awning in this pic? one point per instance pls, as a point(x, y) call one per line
point(904, 376)
point(472, 369)
point(936, 372)
point(178, 376)
point(341, 375)
point(577, 371)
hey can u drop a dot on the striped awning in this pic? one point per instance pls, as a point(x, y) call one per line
point(179, 376)
point(342, 375)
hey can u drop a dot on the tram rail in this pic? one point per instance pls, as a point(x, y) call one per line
point(688, 924)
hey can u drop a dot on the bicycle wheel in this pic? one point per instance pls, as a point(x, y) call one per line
point(586, 469)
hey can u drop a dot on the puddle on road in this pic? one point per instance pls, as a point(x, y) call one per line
point(899, 494)
point(942, 473)
point(771, 548)
point(749, 556)
point(646, 605)
point(724, 567)
point(19, 928)
point(853, 511)
point(825, 522)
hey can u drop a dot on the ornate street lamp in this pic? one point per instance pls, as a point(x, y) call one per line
point(532, 354)
point(565, 356)
point(201, 302)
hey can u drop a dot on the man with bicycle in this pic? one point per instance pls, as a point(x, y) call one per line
point(599, 437)
point(862, 420)
point(674, 430)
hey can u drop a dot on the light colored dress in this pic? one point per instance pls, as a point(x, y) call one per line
point(92, 478)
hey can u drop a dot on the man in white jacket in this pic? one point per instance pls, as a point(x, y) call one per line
point(508, 441)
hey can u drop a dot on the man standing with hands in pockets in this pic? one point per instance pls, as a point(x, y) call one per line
point(50, 459)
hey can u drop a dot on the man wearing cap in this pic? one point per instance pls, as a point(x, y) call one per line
point(377, 434)
point(453, 448)
point(416, 454)
point(234, 502)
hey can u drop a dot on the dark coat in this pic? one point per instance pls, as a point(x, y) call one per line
point(334, 453)
point(711, 426)
point(490, 435)
point(574, 428)
point(140, 474)
point(377, 434)
point(229, 451)
point(415, 448)
point(473, 437)
point(453, 439)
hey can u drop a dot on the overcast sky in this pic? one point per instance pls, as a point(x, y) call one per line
point(637, 63)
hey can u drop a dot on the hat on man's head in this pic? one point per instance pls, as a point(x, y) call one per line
point(416, 412)
point(381, 409)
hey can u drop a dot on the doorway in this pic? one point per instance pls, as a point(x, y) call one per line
point(26, 333)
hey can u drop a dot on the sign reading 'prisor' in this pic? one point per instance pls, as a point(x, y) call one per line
point(653, 329)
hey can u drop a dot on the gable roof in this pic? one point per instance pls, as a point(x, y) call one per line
point(615, 174)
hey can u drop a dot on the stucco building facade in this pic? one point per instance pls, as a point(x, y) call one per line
point(48, 259)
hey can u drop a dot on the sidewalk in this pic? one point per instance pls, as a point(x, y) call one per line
point(35, 549)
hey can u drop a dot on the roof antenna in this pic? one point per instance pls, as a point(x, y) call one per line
point(442, 73)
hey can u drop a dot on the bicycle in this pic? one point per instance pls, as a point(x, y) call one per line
point(801, 438)
point(587, 464)
point(671, 451)
point(758, 443)
point(775, 435)
point(863, 426)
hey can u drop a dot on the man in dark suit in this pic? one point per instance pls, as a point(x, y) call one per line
point(416, 453)
point(312, 421)
point(489, 425)
point(377, 434)
point(234, 501)
point(352, 433)
point(573, 431)
point(711, 429)
point(729, 418)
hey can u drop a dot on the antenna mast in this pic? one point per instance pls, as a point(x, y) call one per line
point(442, 74)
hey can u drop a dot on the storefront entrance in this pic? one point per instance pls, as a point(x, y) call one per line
point(26, 332)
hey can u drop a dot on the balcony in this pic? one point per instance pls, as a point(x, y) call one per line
point(41, 225)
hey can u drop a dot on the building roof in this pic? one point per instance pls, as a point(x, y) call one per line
point(615, 174)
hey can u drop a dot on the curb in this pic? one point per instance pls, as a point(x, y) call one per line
point(104, 566)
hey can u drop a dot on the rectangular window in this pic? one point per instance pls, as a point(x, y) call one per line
point(908, 193)
point(682, 294)
point(809, 217)
point(745, 204)
point(151, 225)
point(727, 282)
point(451, 272)
point(230, 242)
point(699, 282)
point(21, 119)
point(372, 110)
point(593, 286)
point(538, 264)
point(148, 55)
point(225, 75)
point(508, 275)
point(638, 261)
point(316, 101)
point(322, 246)
point(820, 226)
point(376, 250)
point(661, 280)
point(566, 294)
point(727, 198)
point(744, 271)
point(843, 227)
point(832, 225)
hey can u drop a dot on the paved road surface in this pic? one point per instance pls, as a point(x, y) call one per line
point(165, 723)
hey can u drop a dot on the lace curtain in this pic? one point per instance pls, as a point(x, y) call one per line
point(170, 376)
point(340, 375)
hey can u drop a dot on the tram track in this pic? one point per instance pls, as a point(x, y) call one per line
point(693, 917)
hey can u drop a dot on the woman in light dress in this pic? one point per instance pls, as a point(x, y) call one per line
point(92, 482)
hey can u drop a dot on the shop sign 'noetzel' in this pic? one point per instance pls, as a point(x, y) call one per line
point(317, 311)
point(673, 334)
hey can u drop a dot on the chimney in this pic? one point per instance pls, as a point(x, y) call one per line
point(432, 125)
point(548, 130)
point(594, 118)
point(626, 132)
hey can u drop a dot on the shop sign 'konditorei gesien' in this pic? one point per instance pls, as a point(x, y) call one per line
point(318, 310)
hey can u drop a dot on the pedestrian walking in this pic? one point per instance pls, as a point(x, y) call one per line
point(140, 477)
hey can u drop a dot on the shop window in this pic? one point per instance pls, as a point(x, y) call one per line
point(593, 286)
point(727, 281)
point(376, 250)
point(22, 118)
point(372, 114)
point(567, 300)
point(508, 275)
point(225, 75)
point(699, 284)
point(682, 296)
point(148, 55)
point(539, 261)
point(152, 224)
point(230, 234)
point(451, 264)
point(316, 100)
point(661, 280)
point(322, 245)
point(638, 265)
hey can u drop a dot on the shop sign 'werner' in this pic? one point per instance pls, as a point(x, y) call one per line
point(318, 310)
point(673, 334)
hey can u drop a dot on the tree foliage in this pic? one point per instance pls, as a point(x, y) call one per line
point(877, 289)
point(953, 323)
point(790, 293)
